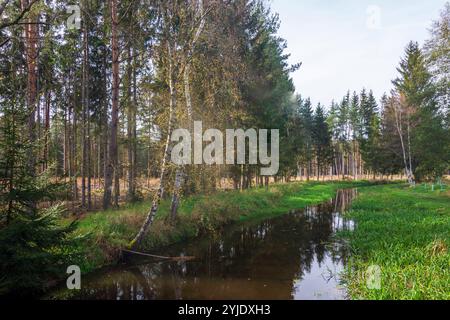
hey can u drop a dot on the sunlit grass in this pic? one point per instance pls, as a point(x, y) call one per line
point(405, 231)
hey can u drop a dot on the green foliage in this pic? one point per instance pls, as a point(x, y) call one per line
point(34, 250)
point(322, 139)
point(414, 82)
point(437, 50)
point(268, 92)
point(298, 140)
point(427, 134)
point(431, 146)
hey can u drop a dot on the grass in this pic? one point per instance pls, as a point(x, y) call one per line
point(109, 231)
point(406, 232)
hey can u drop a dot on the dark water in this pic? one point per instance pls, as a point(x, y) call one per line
point(294, 256)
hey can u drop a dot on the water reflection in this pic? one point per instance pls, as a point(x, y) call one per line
point(291, 257)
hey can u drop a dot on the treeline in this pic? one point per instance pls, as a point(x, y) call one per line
point(90, 94)
point(360, 138)
point(407, 133)
point(102, 99)
point(86, 107)
point(335, 144)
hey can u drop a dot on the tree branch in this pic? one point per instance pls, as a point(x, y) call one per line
point(3, 6)
point(17, 19)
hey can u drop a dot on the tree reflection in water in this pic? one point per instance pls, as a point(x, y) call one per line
point(295, 256)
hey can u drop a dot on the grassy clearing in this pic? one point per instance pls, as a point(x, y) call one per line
point(405, 231)
point(109, 231)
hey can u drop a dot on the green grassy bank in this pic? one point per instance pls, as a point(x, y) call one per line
point(406, 232)
point(109, 231)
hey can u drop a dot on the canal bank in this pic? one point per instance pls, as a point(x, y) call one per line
point(106, 233)
point(295, 255)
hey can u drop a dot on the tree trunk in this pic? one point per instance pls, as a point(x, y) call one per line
point(107, 178)
point(112, 168)
point(399, 126)
point(89, 168)
point(84, 101)
point(65, 146)
point(180, 172)
point(131, 127)
point(47, 128)
point(31, 54)
point(74, 145)
point(136, 242)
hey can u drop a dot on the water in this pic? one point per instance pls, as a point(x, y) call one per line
point(295, 256)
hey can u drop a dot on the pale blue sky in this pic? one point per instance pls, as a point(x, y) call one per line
point(343, 45)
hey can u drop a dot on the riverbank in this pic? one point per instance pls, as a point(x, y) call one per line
point(406, 232)
point(107, 232)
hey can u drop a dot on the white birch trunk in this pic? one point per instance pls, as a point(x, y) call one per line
point(180, 173)
point(135, 243)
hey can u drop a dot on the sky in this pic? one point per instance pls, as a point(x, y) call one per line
point(350, 44)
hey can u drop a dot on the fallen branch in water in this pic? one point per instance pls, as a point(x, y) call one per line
point(159, 257)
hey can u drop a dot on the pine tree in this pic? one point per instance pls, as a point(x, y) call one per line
point(437, 50)
point(389, 153)
point(370, 131)
point(322, 140)
point(419, 122)
point(307, 123)
point(34, 247)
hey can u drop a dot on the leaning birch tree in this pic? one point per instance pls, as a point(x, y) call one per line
point(169, 41)
point(179, 48)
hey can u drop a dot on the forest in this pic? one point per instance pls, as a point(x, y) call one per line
point(91, 93)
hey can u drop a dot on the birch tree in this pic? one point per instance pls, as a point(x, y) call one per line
point(403, 116)
point(186, 60)
point(169, 43)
